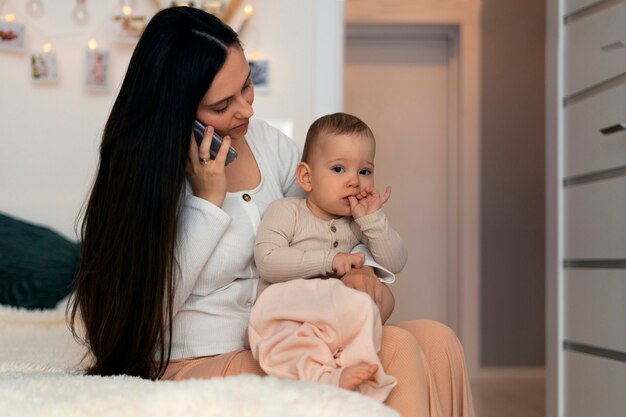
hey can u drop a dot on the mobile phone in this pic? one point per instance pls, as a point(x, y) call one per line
point(198, 132)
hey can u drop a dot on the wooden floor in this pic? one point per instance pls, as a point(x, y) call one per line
point(510, 393)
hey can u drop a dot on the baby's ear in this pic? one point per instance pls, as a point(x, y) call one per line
point(303, 176)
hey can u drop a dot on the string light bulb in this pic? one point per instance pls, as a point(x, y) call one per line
point(35, 8)
point(80, 13)
point(7, 10)
point(127, 10)
point(248, 10)
point(46, 47)
point(92, 44)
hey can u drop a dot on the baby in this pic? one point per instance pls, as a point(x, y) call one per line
point(312, 238)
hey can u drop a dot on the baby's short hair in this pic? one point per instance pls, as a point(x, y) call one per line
point(337, 123)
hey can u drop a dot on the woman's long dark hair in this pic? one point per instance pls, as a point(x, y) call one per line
point(124, 289)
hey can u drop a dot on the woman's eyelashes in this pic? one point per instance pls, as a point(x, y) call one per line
point(223, 109)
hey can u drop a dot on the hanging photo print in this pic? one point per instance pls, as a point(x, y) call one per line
point(260, 72)
point(97, 69)
point(43, 68)
point(12, 36)
point(126, 28)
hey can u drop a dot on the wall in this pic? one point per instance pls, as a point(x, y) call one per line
point(49, 134)
point(513, 185)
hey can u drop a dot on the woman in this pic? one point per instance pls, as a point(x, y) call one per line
point(167, 278)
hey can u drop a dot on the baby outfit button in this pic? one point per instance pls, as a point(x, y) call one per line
point(246, 197)
point(335, 244)
point(333, 229)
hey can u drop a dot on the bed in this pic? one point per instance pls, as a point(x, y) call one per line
point(40, 362)
point(40, 376)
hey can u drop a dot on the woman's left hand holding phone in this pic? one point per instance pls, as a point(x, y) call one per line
point(208, 176)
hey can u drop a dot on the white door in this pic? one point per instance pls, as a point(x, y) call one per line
point(398, 82)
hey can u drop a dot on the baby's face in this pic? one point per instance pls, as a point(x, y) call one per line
point(341, 166)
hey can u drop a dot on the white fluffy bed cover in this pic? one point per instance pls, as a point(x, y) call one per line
point(40, 376)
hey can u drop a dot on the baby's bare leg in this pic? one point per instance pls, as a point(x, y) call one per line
point(355, 375)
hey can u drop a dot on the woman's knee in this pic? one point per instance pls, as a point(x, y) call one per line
point(431, 334)
point(398, 337)
point(398, 345)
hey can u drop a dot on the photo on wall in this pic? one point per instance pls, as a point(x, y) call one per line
point(43, 68)
point(126, 29)
point(260, 73)
point(97, 70)
point(12, 36)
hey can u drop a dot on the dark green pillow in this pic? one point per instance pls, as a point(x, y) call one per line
point(37, 265)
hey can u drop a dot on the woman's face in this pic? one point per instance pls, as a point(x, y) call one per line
point(227, 105)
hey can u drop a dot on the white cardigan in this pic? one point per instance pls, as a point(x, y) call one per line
point(216, 280)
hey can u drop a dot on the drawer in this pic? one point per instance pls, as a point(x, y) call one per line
point(586, 63)
point(595, 220)
point(574, 5)
point(593, 386)
point(586, 148)
point(595, 307)
point(577, 5)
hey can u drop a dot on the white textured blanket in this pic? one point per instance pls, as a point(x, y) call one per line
point(39, 376)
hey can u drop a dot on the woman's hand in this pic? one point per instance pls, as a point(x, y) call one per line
point(364, 279)
point(207, 176)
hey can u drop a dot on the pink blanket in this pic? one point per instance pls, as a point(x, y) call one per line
point(310, 329)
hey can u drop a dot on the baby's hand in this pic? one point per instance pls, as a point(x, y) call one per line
point(344, 262)
point(368, 201)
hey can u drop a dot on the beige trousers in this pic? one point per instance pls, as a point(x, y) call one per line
point(424, 356)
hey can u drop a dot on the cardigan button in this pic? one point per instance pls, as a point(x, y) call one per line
point(246, 197)
point(335, 244)
point(333, 229)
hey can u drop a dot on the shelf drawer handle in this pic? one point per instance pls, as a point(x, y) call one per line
point(614, 45)
point(613, 128)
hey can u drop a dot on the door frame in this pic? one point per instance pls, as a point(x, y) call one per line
point(449, 34)
point(460, 21)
